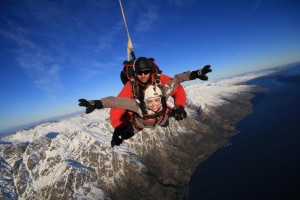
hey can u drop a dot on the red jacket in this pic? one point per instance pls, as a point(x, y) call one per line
point(118, 116)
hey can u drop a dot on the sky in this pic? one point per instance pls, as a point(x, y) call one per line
point(54, 52)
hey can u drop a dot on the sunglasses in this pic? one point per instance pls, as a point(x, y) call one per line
point(145, 72)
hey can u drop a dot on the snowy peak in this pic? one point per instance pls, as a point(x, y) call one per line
point(73, 159)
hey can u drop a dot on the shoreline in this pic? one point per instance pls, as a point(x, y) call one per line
point(246, 100)
point(240, 144)
point(170, 158)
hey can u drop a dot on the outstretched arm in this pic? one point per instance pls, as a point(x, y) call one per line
point(178, 111)
point(110, 102)
point(186, 76)
point(120, 102)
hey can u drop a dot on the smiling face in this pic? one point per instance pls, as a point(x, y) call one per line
point(154, 103)
point(152, 98)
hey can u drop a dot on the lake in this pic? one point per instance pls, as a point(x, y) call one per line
point(263, 161)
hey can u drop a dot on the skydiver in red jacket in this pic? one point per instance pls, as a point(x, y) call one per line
point(121, 119)
point(152, 111)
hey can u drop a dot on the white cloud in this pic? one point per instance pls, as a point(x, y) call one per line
point(106, 40)
point(141, 15)
point(47, 37)
point(49, 80)
point(35, 60)
point(147, 19)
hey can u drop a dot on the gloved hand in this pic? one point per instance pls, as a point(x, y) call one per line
point(122, 133)
point(116, 138)
point(178, 113)
point(201, 73)
point(128, 132)
point(90, 105)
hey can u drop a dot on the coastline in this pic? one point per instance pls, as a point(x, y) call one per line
point(239, 174)
point(224, 121)
point(166, 163)
point(161, 169)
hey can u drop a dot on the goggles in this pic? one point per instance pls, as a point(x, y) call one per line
point(151, 101)
point(145, 72)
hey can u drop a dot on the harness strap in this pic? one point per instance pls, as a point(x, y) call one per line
point(134, 89)
point(157, 79)
point(156, 115)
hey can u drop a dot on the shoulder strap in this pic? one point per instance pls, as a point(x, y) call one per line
point(134, 89)
point(128, 69)
point(128, 75)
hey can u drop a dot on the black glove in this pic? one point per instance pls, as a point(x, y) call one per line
point(201, 73)
point(128, 132)
point(179, 113)
point(90, 105)
point(122, 133)
point(116, 138)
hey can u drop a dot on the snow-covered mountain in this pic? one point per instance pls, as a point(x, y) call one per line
point(73, 159)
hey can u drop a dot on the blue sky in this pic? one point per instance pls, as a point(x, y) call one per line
point(54, 52)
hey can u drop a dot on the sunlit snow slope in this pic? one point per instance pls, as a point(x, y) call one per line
point(73, 159)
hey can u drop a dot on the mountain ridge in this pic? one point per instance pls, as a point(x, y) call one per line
point(72, 158)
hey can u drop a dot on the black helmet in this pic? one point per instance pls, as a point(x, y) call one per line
point(141, 64)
